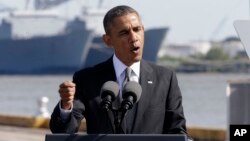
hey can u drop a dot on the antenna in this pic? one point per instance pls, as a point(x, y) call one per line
point(27, 4)
point(100, 3)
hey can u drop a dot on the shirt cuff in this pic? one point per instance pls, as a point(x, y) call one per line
point(65, 113)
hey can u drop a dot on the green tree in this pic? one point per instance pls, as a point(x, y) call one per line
point(216, 54)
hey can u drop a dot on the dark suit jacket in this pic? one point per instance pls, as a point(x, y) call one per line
point(158, 111)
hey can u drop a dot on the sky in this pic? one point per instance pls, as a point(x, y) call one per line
point(188, 20)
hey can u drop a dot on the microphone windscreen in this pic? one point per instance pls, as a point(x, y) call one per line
point(110, 88)
point(133, 89)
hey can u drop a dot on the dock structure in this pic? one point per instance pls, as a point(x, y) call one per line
point(238, 103)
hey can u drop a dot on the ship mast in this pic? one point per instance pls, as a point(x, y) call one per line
point(4, 8)
point(45, 4)
point(27, 4)
point(100, 3)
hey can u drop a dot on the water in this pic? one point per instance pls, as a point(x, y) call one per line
point(204, 95)
point(204, 98)
point(20, 93)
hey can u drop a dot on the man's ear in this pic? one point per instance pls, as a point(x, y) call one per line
point(107, 40)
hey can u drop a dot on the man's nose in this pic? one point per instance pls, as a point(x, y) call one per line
point(133, 37)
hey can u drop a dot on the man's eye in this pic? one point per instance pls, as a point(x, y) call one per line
point(123, 33)
point(137, 29)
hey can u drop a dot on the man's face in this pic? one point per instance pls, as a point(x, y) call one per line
point(127, 38)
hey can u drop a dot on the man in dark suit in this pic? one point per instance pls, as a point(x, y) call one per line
point(159, 110)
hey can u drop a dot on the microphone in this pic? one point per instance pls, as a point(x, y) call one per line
point(131, 94)
point(109, 92)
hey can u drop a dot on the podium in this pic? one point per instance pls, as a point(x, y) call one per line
point(115, 137)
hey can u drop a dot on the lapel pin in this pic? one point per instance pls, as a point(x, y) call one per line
point(150, 82)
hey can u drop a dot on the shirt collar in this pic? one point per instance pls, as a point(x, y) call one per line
point(120, 67)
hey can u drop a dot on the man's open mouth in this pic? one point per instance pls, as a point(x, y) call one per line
point(134, 49)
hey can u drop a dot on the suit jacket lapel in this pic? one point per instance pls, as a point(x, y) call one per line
point(107, 73)
point(146, 81)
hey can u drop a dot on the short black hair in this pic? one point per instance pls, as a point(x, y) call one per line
point(116, 12)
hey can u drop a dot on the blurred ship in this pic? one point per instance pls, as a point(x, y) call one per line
point(41, 42)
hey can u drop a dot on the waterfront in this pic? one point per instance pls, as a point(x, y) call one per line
point(204, 95)
point(10, 133)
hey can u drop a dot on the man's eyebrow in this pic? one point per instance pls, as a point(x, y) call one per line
point(133, 28)
point(137, 27)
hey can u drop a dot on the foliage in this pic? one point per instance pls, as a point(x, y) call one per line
point(216, 53)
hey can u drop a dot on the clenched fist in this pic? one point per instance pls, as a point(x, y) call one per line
point(67, 93)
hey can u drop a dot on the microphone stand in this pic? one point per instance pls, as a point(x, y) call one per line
point(119, 115)
point(122, 118)
point(116, 115)
point(117, 121)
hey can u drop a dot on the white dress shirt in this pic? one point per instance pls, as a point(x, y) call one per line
point(120, 71)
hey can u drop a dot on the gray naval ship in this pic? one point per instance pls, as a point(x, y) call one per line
point(42, 42)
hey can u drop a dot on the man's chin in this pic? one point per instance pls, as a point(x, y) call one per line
point(137, 59)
